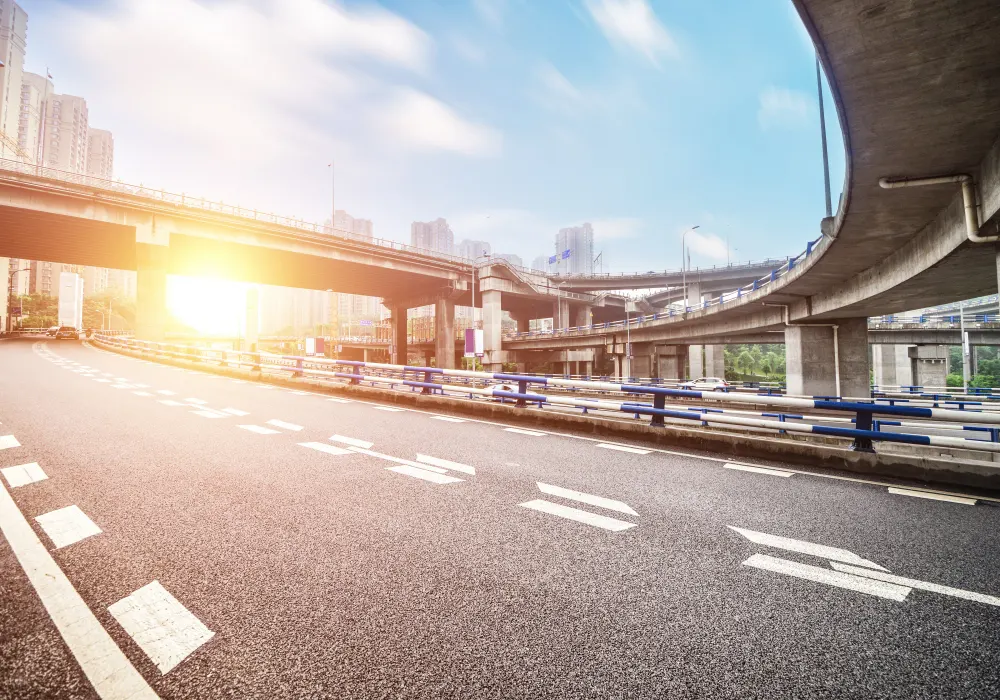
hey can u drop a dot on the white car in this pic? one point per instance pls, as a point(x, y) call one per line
point(706, 384)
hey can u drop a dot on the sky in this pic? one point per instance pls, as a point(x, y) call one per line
point(509, 118)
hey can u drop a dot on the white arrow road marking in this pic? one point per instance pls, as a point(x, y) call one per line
point(8, 441)
point(23, 474)
point(519, 431)
point(160, 625)
point(352, 441)
point(449, 419)
point(328, 449)
point(598, 501)
point(830, 578)
point(580, 516)
point(236, 412)
point(166, 392)
point(756, 470)
point(623, 448)
point(259, 430)
point(445, 464)
point(816, 550)
point(282, 424)
point(932, 496)
point(420, 473)
point(67, 525)
point(914, 583)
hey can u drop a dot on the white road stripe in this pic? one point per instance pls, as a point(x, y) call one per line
point(588, 498)
point(141, 386)
point(301, 393)
point(418, 473)
point(449, 419)
point(208, 414)
point(932, 496)
point(282, 424)
point(623, 448)
point(521, 431)
point(121, 386)
point(171, 402)
point(259, 430)
point(445, 464)
point(921, 585)
point(160, 625)
point(100, 659)
point(816, 550)
point(336, 400)
point(67, 526)
point(142, 393)
point(166, 392)
point(388, 408)
point(23, 474)
point(8, 441)
point(103, 381)
point(580, 516)
point(328, 449)
point(198, 402)
point(264, 386)
point(398, 460)
point(756, 470)
point(236, 412)
point(830, 578)
point(352, 441)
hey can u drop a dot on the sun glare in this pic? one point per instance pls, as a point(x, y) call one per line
point(209, 306)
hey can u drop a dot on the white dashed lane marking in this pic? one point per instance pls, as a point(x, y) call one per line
point(830, 578)
point(23, 474)
point(424, 474)
point(236, 412)
point(163, 628)
point(208, 414)
point(580, 516)
point(8, 441)
point(337, 400)
point(932, 496)
point(623, 448)
point(196, 402)
point(446, 464)
point(521, 431)
point(388, 408)
point(756, 470)
point(142, 393)
point(67, 526)
point(352, 441)
point(328, 449)
point(282, 424)
point(166, 392)
point(449, 419)
point(590, 499)
point(259, 430)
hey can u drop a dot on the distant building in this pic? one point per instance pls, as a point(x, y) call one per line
point(95, 280)
point(35, 92)
point(511, 258)
point(432, 235)
point(100, 153)
point(540, 264)
point(574, 250)
point(19, 274)
point(45, 277)
point(13, 42)
point(65, 133)
point(346, 222)
point(472, 249)
point(123, 281)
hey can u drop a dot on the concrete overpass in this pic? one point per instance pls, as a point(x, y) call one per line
point(720, 278)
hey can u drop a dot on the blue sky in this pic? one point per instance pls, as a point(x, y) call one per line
point(510, 118)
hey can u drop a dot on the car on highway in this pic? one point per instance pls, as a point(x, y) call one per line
point(67, 333)
point(706, 384)
point(52, 331)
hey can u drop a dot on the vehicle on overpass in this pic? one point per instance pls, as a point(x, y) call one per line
point(706, 384)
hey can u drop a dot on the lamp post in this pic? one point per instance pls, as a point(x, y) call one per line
point(683, 265)
point(10, 296)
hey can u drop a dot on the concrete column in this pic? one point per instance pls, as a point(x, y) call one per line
point(642, 362)
point(253, 319)
point(694, 295)
point(892, 365)
point(444, 333)
point(581, 315)
point(810, 364)
point(399, 349)
point(715, 361)
point(617, 366)
point(930, 365)
point(151, 291)
point(492, 327)
point(560, 314)
point(523, 324)
point(696, 366)
point(588, 368)
point(670, 362)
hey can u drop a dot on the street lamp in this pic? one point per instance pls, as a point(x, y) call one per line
point(683, 265)
point(10, 284)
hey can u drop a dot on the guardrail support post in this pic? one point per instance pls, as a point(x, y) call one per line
point(356, 380)
point(659, 401)
point(298, 368)
point(863, 422)
point(522, 388)
point(256, 362)
point(427, 380)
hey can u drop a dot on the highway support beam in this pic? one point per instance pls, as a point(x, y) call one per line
point(399, 350)
point(151, 291)
point(492, 331)
point(444, 333)
point(715, 361)
point(828, 359)
point(930, 366)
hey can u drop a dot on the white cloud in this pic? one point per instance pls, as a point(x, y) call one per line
point(468, 49)
point(632, 25)
point(555, 89)
point(424, 123)
point(617, 229)
point(492, 11)
point(782, 108)
point(707, 245)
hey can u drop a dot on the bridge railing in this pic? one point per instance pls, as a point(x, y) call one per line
point(430, 380)
point(735, 267)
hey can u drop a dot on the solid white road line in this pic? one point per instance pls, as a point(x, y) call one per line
point(264, 386)
point(932, 496)
point(419, 473)
point(166, 392)
point(391, 409)
point(160, 625)
point(67, 526)
point(282, 424)
point(106, 667)
point(8, 441)
point(830, 578)
point(197, 402)
point(352, 441)
point(623, 448)
point(171, 402)
point(236, 412)
point(448, 419)
point(816, 550)
point(921, 585)
point(23, 474)
point(208, 414)
point(756, 470)
point(521, 431)
point(337, 400)
point(301, 393)
point(328, 449)
point(580, 516)
point(588, 498)
point(259, 430)
point(446, 464)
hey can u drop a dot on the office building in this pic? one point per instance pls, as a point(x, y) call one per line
point(574, 250)
point(95, 280)
point(123, 281)
point(19, 275)
point(44, 278)
point(512, 259)
point(65, 133)
point(346, 222)
point(35, 92)
point(432, 235)
point(13, 42)
point(473, 249)
point(540, 264)
point(100, 153)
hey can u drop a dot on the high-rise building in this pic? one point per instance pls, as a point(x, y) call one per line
point(473, 249)
point(13, 42)
point(19, 274)
point(100, 153)
point(95, 280)
point(64, 133)
point(511, 258)
point(45, 276)
point(124, 281)
point(574, 250)
point(432, 235)
point(346, 222)
point(540, 264)
point(35, 92)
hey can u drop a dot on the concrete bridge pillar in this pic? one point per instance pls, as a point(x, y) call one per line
point(151, 291)
point(492, 331)
point(930, 365)
point(444, 333)
point(398, 323)
point(696, 365)
point(892, 365)
point(715, 361)
point(642, 360)
point(669, 362)
point(523, 323)
point(582, 315)
point(560, 314)
point(587, 368)
point(810, 353)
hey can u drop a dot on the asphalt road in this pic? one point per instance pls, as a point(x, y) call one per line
point(295, 572)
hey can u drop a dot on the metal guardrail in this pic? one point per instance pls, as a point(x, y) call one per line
point(866, 431)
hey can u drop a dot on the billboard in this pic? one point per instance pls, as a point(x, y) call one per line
point(70, 300)
point(473, 342)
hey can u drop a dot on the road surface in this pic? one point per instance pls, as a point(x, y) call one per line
point(195, 536)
